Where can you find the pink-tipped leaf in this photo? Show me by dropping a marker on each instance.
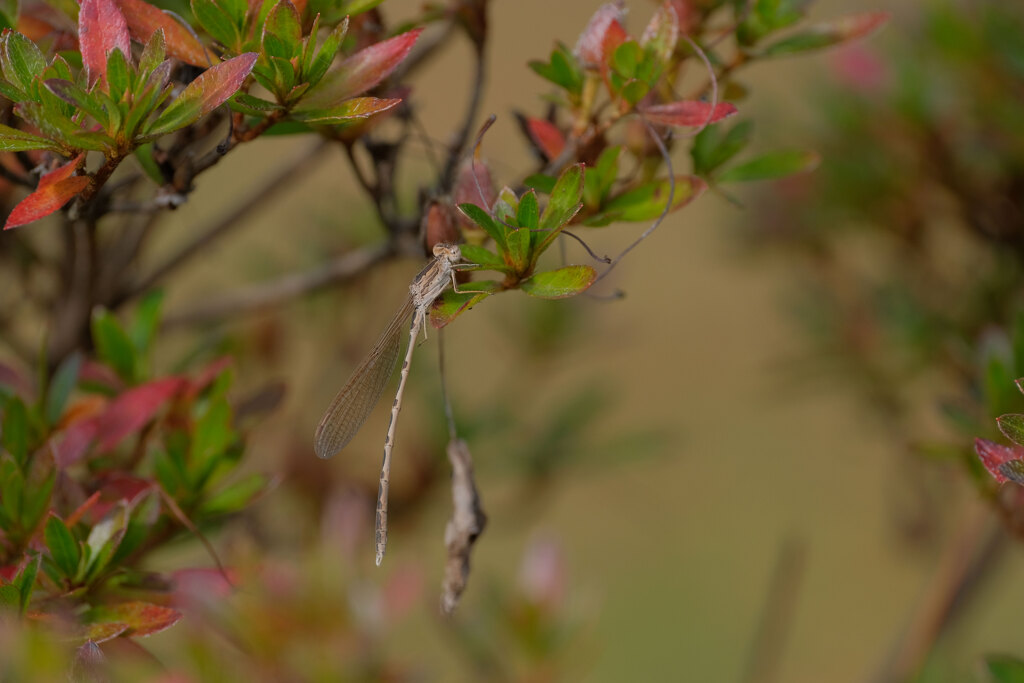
(101, 28)
(687, 113)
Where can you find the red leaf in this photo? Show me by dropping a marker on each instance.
(143, 618)
(143, 21)
(55, 189)
(101, 28)
(547, 137)
(468, 189)
(993, 455)
(361, 71)
(131, 410)
(591, 47)
(74, 442)
(220, 82)
(687, 113)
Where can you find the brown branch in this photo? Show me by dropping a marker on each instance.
(276, 292)
(969, 558)
(260, 195)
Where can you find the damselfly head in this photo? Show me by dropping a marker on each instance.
(450, 252)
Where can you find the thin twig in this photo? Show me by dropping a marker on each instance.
(285, 175)
(275, 292)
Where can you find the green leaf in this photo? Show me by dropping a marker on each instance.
(216, 22)
(25, 581)
(561, 283)
(63, 547)
(517, 243)
(647, 202)
(213, 435)
(113, 346)
(144, 155)
(20, 60)
(15, 436)
(495, 230)
(626, 58)
(153, 54)
(282, 31)
(528, 212)
(64, 380)
(118, 77)
(146, 321)
(235, 497)
(772, 165)
(1004, 669)
(599, 178)
(711, 148)
(359, 6)
(484, 258)
(79, 98)
(540, 182)
(562, 70)
(37, 500)
(566, 199)
(14, 140)
(318, 65)
(1012, 426)
(452, 304)
(827, 34)
(8, 14)
(10, 597)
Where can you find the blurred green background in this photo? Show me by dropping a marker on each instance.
(699, 455)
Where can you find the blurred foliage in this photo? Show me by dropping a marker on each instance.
(911, 235)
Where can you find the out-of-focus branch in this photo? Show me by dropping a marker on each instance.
(967, 560)
(264, 192)
(777, 615)
(286, 288)
(458, 145)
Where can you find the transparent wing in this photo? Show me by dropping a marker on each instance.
(353, 404)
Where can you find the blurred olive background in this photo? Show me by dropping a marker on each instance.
(697, 458)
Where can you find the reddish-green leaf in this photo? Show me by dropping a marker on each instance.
(452, 304)
(101, 28)
(14, 140)
(144, 20)
(142, 618)
(828, 34)
(546, 136)
(993, 455)
(204, 94)
(687, 113)
(349, 110)
(772, 165)
(360, 72)
(591, 45)
(1013, 470)
(100, 633)
(561, 283)
(130, 411)
(55, 189)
